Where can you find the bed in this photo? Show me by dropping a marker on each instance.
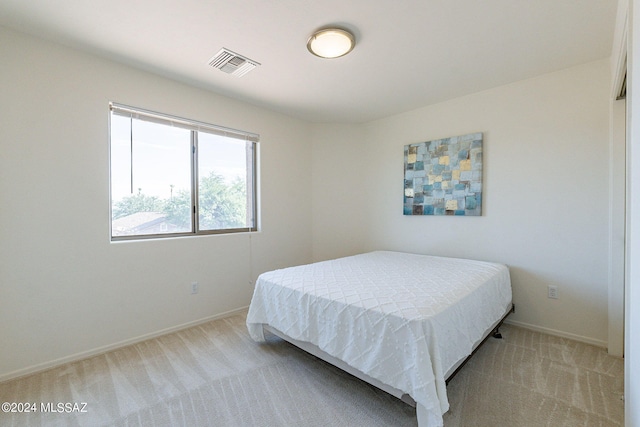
(403, 322)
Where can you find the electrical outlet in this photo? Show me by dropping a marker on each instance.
(194, 287)
(552, 292)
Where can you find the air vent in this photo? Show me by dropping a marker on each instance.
(232, 63)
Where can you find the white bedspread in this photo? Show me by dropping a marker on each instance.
(403, 319)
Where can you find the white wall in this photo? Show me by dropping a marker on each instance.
(338, 190)
(632, 288)
(64, 288)
(546, 160)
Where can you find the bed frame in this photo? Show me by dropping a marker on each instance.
(316, 351)
(495, 333)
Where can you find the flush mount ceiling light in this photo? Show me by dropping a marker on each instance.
(331, 43)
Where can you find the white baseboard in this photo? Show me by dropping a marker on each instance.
(101, 350)
(587, 340)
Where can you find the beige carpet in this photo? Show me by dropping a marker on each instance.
(215, 375)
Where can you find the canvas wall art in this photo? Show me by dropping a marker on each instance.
(444, 176)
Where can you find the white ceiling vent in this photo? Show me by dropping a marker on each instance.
(232, 63)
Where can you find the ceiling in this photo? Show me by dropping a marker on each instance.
(409, 53)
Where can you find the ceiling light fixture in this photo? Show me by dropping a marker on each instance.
(331, 43)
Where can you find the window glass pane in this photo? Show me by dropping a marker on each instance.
(225, 182)
(150, 178)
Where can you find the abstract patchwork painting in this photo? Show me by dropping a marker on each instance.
(444, 176)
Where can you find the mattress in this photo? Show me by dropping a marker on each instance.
(406, 320)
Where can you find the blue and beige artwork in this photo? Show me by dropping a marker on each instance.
(444, 176)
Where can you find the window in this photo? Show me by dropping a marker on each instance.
(177, 177)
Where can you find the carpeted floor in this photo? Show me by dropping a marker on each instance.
(215, 375)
